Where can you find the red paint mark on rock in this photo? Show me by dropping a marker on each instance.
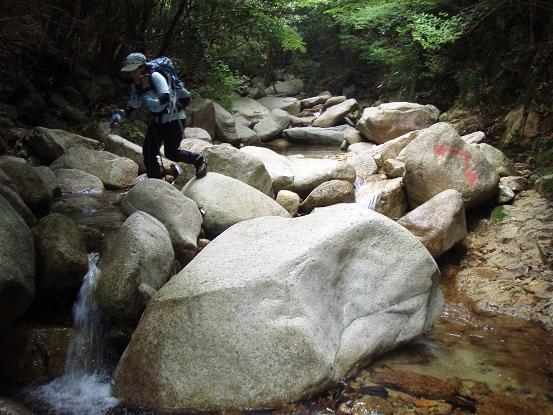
(442, 149)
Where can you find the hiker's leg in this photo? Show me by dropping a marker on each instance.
(150, 151)
(172, 137)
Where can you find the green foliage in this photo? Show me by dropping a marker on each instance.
(221, 84)
(133, 130)
(434, 31)
(498, 214)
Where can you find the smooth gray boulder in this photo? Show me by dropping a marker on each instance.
(200, 113)
(285, 88)
(179, 214)
(299, 174)
(277, 165)
(225, 126)
(231, 162)
(438, 159)
(61, 258)
(289, 104)
(192, 144)
(314, 135)
(364, 165)
(332, 101)
(505, 194)
(246, 135)
(236, 329)
(312, 101)
(50, 144)
(227, 201)
(78, 181)
(30, 185)
(272, 126)
(474, 138)
(439, 223)
(289, 201)
(124, 148)
(197, 133)
(391, 149)
(248, 111)
(17, 265)
(49, 178)
(328, 193)
(9, 191)
(388, 121)
(394, 168)
(140, 253)
(309, 173)
(335, 114)
(114, 171)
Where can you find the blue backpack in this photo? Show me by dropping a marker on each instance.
(164, 66)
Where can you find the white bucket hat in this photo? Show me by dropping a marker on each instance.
(133, 61)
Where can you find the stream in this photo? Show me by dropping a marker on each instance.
(511, 356)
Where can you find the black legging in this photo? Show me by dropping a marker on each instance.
(170, 134)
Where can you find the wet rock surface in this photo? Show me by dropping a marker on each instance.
(509, 265)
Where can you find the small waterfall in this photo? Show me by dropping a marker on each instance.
(84, 389)
(368, 194)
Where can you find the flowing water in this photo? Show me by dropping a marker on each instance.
(368, 194)
(512, 356)
(84, 389)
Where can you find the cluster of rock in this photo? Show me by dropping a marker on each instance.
(276, 307)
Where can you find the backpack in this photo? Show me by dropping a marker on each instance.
(164, 66)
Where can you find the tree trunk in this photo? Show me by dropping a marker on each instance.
(171, 29)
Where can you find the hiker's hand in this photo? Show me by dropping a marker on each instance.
(152, 103)
(117, 117)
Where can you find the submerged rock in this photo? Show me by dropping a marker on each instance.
(275, 310)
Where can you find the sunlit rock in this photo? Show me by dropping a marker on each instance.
(227, 201)
(438, 159)
(255, 330)
(388, 121)
(439, 223)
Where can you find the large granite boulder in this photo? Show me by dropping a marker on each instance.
(30, 186)
(364, 165)
(227, 201)
(78, 181)
(61, 258)
(277, 165)
(314, 135)
(124, 148)
(236, 329)
(179, 214)
(438, 159)
(49, 144)
(17, 265)
(9, 191)
(225, 126)
(388, 121)
(439, 223)
(335, 114)
(114, 171)
(328, 193)
(248, 111)
(201, 113)
(272, 125)
(246, 135)
(289, 104)
(140, 253)
(299, 174)
(231, 162)
(285, 88)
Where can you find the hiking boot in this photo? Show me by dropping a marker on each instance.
(201, 170)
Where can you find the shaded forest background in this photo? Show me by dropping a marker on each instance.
(484, 56)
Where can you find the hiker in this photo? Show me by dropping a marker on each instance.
(151, 88)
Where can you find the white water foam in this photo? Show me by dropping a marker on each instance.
(367, 194)
(84, 389)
